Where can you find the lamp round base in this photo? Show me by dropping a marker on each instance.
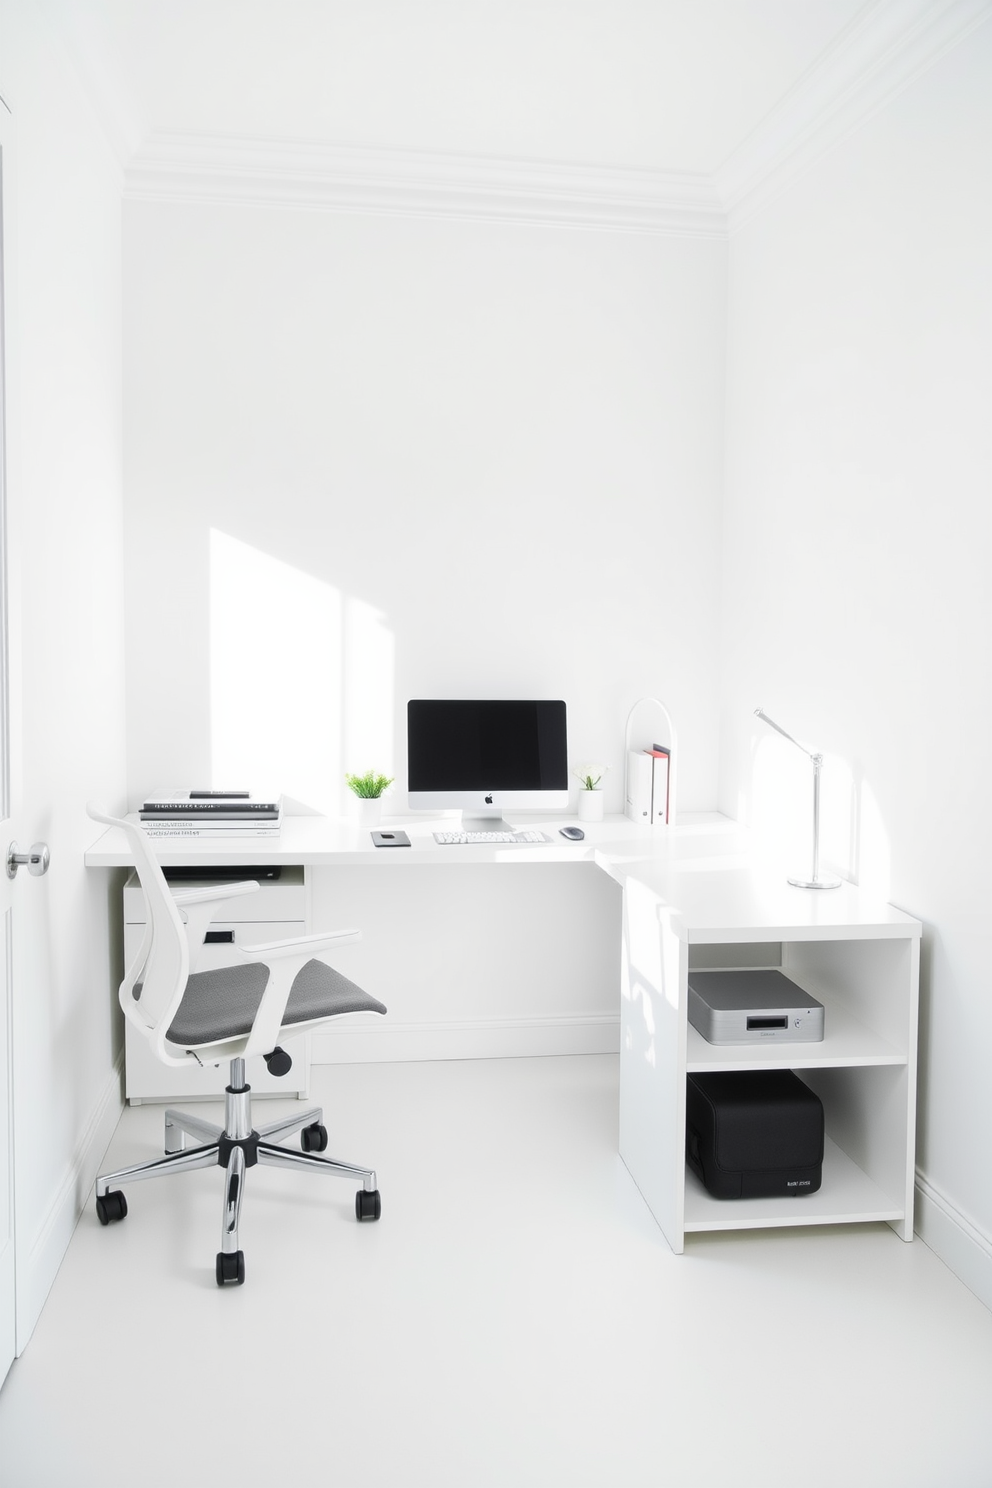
(816, 883)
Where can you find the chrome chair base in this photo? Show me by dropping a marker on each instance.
(236, 1147)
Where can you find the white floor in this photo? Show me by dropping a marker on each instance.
(514, 1318)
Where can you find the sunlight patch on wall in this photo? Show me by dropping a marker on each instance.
(300, 675)
(875, 854)
(782, 803)
(370, 664)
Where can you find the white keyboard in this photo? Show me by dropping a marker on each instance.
(462, 837)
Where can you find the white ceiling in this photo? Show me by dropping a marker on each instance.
(646, 84)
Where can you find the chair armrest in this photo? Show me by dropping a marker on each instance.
(210, 893)
(305, 946)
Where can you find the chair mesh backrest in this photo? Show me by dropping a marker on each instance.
(165, 970)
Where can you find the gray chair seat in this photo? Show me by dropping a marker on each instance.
(222, 1004)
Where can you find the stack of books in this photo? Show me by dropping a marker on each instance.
(210, 814)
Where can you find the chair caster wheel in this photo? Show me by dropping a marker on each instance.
(367, 1205)
(110, 1207)
(313, 1138)
(278, 1062)
(231, 1268)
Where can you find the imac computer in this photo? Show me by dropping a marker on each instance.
(484, 758)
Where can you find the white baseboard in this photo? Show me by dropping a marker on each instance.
(958, 1242)
(492, 1038)
(37, 1270)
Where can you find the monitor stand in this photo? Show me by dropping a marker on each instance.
(485, 824)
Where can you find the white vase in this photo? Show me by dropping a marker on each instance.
(369, 811)
(590, 805)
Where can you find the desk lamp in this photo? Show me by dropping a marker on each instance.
(816, 879)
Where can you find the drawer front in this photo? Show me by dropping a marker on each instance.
(223, 951)
(283, 900)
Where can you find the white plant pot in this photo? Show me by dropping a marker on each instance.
(369, 811)
(590, 805)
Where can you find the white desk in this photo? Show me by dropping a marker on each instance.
(692, 896)
(319, 841)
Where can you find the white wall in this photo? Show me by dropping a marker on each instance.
(470, 458)
(421, 458)
(66, 520)
(857, 560)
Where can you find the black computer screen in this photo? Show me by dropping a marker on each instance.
(493, 745)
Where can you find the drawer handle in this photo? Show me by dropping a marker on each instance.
(219, 937)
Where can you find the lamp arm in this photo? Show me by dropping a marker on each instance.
(760, 713)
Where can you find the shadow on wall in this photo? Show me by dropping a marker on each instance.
(853, 838)
(301, 680)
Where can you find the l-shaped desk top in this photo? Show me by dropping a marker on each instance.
(703, 869)
(328, 841)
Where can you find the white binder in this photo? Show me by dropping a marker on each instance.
(639, 772)
(661, 761)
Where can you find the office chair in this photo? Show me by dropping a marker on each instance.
(230, 1013)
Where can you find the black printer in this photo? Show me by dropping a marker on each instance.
(754, 1134)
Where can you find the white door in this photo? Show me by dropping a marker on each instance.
(7, 885)
(12, 925)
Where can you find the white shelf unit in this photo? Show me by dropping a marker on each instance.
(860, 960)
(276, 912)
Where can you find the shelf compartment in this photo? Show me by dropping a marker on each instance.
(846, 1042)
(846, 1196)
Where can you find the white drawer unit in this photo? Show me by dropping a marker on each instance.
(276, 912)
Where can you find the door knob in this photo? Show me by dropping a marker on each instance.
(36, 861)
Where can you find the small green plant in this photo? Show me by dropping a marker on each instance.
(370, 786)
(590, 775)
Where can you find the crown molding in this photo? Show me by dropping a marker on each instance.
(880, 53)
(191, 168)
(888, 45)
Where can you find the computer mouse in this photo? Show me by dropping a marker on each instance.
(574, 834)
